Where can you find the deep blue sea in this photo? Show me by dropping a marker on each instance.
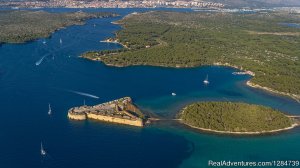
(26, 89)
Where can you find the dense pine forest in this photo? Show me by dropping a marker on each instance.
(256, 42)
(22, 26)
(234, 117)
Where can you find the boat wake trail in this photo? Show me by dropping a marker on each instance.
(84, 94)
(41, 60)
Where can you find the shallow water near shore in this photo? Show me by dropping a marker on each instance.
(26, 89)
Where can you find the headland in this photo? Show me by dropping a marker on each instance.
(183, 40)
(121, 111)
(113, 40)
(22, 26)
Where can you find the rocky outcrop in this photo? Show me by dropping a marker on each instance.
(137, 122)
(121, 111)
(77, 116)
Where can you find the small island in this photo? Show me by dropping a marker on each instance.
(121, 111)
(235, 118)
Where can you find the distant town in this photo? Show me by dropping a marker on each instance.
(111, 4)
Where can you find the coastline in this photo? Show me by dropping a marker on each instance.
(295, 122)
(116, 41)
(247, 72)
(120, 111)
(293, 96)
(257, 86)
(243, 133)
(248, 83)
(244, 71)
(49, 33)
(165, 143)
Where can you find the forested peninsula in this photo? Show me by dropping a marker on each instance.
(235, 118)
(21, 26)
(256, 42)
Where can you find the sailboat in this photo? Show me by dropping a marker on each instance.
(206, 80)
(43, 152)
(60, 41)
(49, 111)
(44, 42)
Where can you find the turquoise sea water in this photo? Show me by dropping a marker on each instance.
(26, 90)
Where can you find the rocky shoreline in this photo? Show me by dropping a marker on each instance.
(44, 26)
(295, 123)
(243, 133)
(293, 96)
(121, 111)
(253, 85)
(243, 72)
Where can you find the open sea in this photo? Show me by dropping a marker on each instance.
(26, 89)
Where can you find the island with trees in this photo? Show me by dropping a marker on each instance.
(235, 118)
(256, 42)
(22, 26)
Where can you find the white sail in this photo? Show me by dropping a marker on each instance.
(49, 111)
(206, 80)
